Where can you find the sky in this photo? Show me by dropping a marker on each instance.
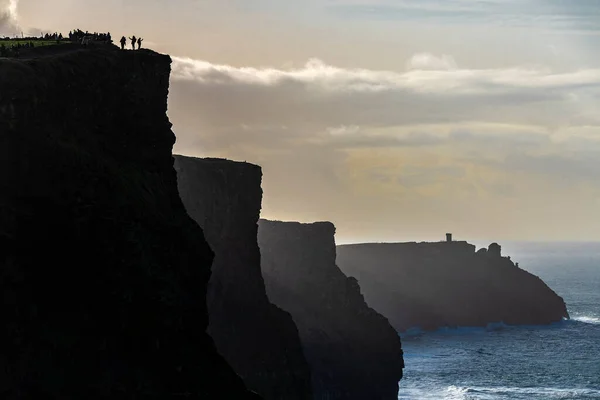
(396, 120)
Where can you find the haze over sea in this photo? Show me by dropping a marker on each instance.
(561, 361)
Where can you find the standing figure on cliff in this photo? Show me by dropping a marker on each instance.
(139, 42)
(133, 40)
(123, 41)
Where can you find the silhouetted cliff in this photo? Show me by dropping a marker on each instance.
(433, 285)
(258, 339)
(103, 274)
(352, 350)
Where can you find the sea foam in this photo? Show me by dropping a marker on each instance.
(587, 320)
(503, 392)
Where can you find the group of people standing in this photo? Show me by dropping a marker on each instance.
(79, 36)
(134, 40)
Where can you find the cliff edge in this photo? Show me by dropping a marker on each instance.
(259, 340)
(103, 274)
(448, 284)
(352, 350)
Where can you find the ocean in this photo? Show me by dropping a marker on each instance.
(560, 361)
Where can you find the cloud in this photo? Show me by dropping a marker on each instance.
(550, 15)
(343, 130)
(360, 106)
(415, 176)
(425, 61)
(428, 74)
(443, 141)
(321, 96)
(9, 17)
(569, 168)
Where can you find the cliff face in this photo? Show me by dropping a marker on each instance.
(433, 285)
(103, 274)
(258, 339)
(352, 350)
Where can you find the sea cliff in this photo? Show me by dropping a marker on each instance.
(103, 273)
(448, 284)
(259, 340)
(352, 350)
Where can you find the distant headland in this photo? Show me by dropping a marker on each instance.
(448, 284)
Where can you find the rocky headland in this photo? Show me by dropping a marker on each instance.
(352, 350)
(448, 284)
(103, 274)
(259, 340)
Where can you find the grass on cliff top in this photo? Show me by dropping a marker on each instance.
(36, 43)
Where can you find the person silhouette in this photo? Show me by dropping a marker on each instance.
(133, 40)
(139, 42)
(123, 41)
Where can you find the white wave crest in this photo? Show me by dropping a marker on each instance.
(547, 392)
(456, 393)
(500, 392)
(587, 320)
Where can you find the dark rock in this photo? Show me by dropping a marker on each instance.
(259, 340)
(433, 285)
(494, 250)
(103, 274)
(352, 350)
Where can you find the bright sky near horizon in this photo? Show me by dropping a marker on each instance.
(394, 119)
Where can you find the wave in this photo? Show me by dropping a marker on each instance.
(501, 392)
(451, 393)
(545, 392)
(587, 320)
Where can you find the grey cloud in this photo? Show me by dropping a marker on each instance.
(320, 78)
(508, 137)
(7, 27)
(415, 176)
(501, 140)
(291, 122)
(385, 10)
(557, 15)
(565, 169)
(8, 17)
(456, 144)
(579, 168)
(321, 96)
(503, 189)
(275, 117)
(362, 140)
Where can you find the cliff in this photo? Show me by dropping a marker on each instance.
(448, 284)
(103, 274)
(259, 340)
(352, 350)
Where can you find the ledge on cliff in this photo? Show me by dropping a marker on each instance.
(259, 340)
(448, 284)
(102, 271)
(352, 350)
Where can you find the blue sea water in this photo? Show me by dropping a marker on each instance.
(561, 361)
